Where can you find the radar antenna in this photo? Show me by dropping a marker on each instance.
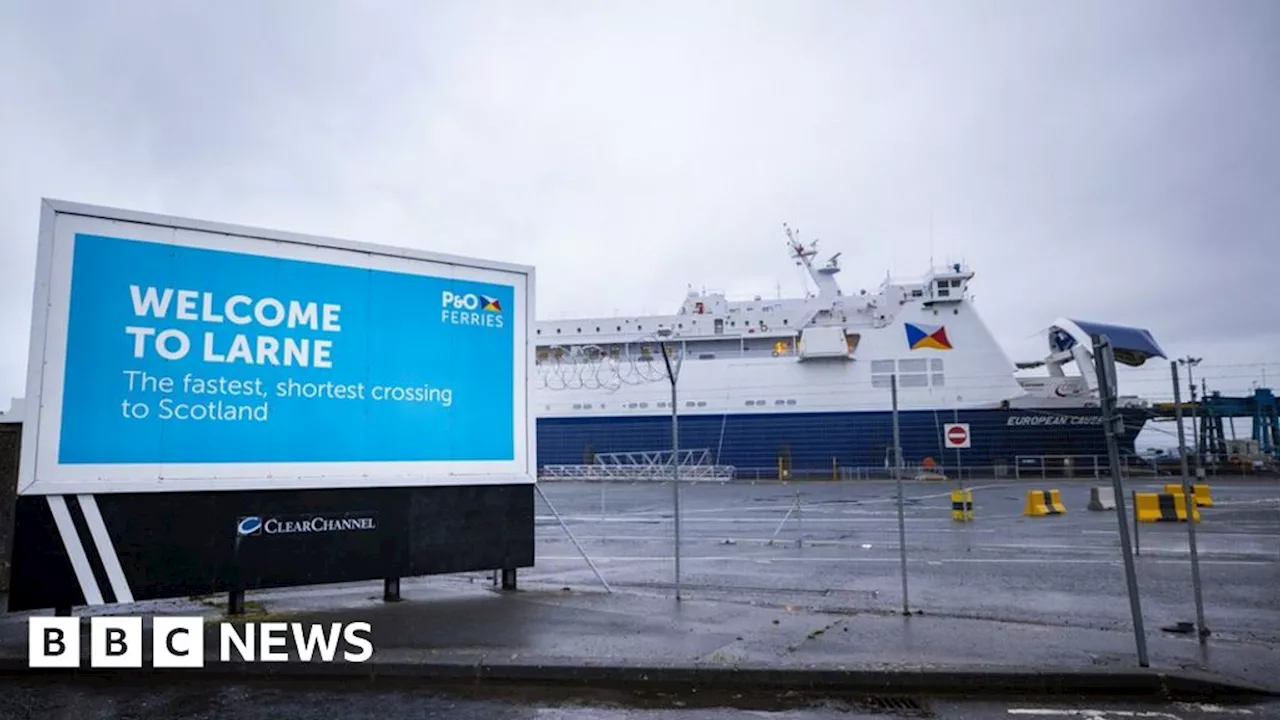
(798, 249)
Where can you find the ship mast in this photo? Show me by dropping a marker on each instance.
(824, 277)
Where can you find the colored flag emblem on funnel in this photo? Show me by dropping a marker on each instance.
(927, 336)
(491, 304)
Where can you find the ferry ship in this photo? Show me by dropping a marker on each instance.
(804, 384)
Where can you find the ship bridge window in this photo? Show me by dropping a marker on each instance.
(791, 402)
(702, 403)
(915, 365)
(751, 403)
(917, 293)
(912, 373)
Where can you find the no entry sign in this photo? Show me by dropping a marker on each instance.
(956, 435)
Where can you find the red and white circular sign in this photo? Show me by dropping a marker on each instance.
(957, 435)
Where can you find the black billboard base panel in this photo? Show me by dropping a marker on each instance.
(235, 603)
(74, 550)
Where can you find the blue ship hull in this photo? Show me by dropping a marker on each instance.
(811, 442)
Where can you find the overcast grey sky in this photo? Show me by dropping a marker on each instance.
(1109, 161)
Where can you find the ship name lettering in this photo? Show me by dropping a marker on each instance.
(1040, 420)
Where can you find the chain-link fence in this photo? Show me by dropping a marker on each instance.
(1012, 519)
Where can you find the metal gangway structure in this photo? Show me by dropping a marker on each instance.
(694, 465)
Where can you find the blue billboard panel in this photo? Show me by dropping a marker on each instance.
(182, 355)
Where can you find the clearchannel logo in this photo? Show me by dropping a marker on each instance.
(179, 642)
(298, 524)
(470, 309)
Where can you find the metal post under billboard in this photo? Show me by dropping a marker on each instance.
(209, 373)
(1105, 368)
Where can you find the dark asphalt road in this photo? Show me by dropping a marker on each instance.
(839, 546)
(87, 700)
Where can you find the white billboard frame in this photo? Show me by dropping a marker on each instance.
(39, 471)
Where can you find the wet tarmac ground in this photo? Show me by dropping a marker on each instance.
(836, 543)
(25, 699)
(808, 555)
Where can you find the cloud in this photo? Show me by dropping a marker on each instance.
(1111, 162)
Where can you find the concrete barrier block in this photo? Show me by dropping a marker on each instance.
(1163, 507)
(1102, 498)
(1200, 491)
(1044, 502)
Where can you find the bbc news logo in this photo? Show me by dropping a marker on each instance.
(179, 642)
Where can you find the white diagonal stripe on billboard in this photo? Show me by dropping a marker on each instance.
(106, 550)
(75, 551)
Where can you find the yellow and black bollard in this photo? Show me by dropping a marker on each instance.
(962, 505)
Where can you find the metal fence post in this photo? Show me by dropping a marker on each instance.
(1190, 503)
(1137, 533)
(673, 374)
(897, 472)
(1104, 365)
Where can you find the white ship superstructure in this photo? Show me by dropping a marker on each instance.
(825, 352)
(827, 357)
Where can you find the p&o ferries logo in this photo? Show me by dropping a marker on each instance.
(470, 309)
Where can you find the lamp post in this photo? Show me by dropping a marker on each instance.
(673, 375)
(1191, 362)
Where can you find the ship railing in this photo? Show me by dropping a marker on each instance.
(1095, 466)
(693, 465)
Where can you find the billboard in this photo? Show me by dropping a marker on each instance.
(179, 355)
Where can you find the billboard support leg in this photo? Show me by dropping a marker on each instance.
(508, 578)
(235, 603)
(391, 590)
